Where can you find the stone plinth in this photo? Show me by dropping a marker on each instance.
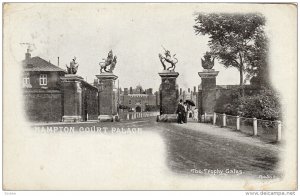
(72, 98)
(207, 96)
(107, 97)
(168, 96)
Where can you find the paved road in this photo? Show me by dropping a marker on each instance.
(201, 149)
(196, 149)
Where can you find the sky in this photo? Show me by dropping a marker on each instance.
(135, 33)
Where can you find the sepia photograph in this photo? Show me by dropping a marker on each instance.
(149, 96)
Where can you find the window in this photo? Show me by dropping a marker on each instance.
(129, 102)
(26, 80)
(43, 79)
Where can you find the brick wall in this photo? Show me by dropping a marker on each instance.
(43, 106)
(169, 96)
(224, 94)
(90, 102)
(47, 105)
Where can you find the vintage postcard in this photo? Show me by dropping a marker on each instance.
(149, 96)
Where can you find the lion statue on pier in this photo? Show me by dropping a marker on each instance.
(110, 62)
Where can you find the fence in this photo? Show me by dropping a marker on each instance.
(136, 115)
(267, 130)
(206, 118)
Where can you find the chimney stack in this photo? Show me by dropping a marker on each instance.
(125, 91)
(149, 91)
(57, 61)
(95, 82)
(27, 55)
(130, 90)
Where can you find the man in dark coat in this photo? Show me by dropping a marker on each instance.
(180, 112)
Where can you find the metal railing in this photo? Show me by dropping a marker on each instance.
(267, 130)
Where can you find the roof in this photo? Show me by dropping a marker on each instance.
(39, 64)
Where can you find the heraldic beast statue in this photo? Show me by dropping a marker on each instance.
(207, 63)
(110, 62)
(169, 59)
(73, 66)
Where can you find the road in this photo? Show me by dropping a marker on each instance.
(202, 150)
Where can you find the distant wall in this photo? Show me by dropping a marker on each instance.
(226, 94)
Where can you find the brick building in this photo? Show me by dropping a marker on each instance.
(189, 95)
(42, 89)
(44, 93)
(138, 99)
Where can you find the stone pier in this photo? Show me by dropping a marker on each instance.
(168, 96)
(207, 95)
(107, 96)
(72, 98)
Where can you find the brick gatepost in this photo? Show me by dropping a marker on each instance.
(107, 96)
(168, 96)
(72, 98)
(207, 96)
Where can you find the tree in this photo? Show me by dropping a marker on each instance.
(257, 59)
(237, 40)
(263, 104)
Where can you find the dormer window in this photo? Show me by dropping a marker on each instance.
(43, 79)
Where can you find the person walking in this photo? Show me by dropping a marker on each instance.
(180, 112)
(185, 115)
(195, 114)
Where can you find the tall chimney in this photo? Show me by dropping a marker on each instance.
(27, 55)
(125, 91)
(189, 90)
(57, 61)
(194, 88)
